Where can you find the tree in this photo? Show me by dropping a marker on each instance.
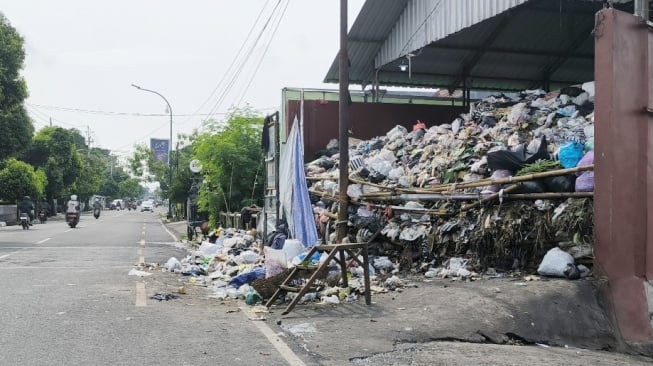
(131, 188)
(16, 128)
(231, 155)
(54, 150)
(93, 174)
(19, 179)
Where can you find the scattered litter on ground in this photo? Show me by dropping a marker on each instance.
(135, 272)
(166, 297)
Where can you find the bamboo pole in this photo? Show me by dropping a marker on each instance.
(490, 197)
(549, 195)
(480, 183)
(477, 196)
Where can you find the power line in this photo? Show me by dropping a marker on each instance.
(234, 77)
(265, 51)
(110, 113)
(233, 62)
(44, 116)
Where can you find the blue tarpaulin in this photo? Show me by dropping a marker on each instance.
(293, 192)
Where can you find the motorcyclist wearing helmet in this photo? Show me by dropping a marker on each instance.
(46, 206)
(97, 204)
(27, 206)
(73, 204)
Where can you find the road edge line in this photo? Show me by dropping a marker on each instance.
(276, 341)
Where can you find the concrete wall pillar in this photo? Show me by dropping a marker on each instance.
(623, 170)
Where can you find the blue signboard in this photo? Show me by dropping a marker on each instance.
(160, 149)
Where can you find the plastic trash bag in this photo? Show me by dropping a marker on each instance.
(563, 183)
(354, 191)
(395, 173)
(497, 174)
(135, 272)
(383, 263)
(570, 154)
(209, 250)
(275, 261)
(292, 248)
(517, 158)
(299, 259)
(585, 182)
(555, 262)
(587, 159)
(396, 132)
(172, 264)
(247, 277)
(247, 257)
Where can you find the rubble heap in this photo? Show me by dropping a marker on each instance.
(498, 186)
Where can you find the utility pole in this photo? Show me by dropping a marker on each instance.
(88, 142)
(50, 121)
(343, 125)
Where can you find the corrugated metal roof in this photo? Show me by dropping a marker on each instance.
(491, 44)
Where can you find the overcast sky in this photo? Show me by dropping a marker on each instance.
(82, 56)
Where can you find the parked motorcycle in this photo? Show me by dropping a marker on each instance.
(24, 220)
(72, 219)
(96, 212)
(43, 216)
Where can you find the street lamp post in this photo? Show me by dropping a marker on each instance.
(169, 147)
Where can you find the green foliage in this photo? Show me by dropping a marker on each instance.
(16, 128)
(143, 164)
(54, 150)
(18, 179)
(93, 173)
(231, 156)
(539, 166)
(131, 188)
(181, 174)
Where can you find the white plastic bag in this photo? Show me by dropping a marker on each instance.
(247, 257)
(354, 191)
(209, 249)
(383, 263)
(554, 263)
(275, 261)
(292, 247)
(172, 264)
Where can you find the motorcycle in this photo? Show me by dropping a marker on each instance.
(72, 219)
(96, 212)
(43, 216)
(24, 220)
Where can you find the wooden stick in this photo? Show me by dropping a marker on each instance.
(489, 198)
(549, 195)
(483, 182)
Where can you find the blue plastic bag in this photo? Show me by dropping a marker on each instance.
(248, 277)
(570, 154)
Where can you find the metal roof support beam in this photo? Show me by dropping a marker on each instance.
(482, 49)
(585, 56)
(554, 65)
(428, 77)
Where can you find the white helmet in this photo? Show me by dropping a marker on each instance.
(73, 197)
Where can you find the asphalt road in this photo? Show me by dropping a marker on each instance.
(67, 299)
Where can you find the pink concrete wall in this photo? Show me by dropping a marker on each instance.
(623, 170)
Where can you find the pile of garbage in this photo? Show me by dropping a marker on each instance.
(235, 264)
(498, 186)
